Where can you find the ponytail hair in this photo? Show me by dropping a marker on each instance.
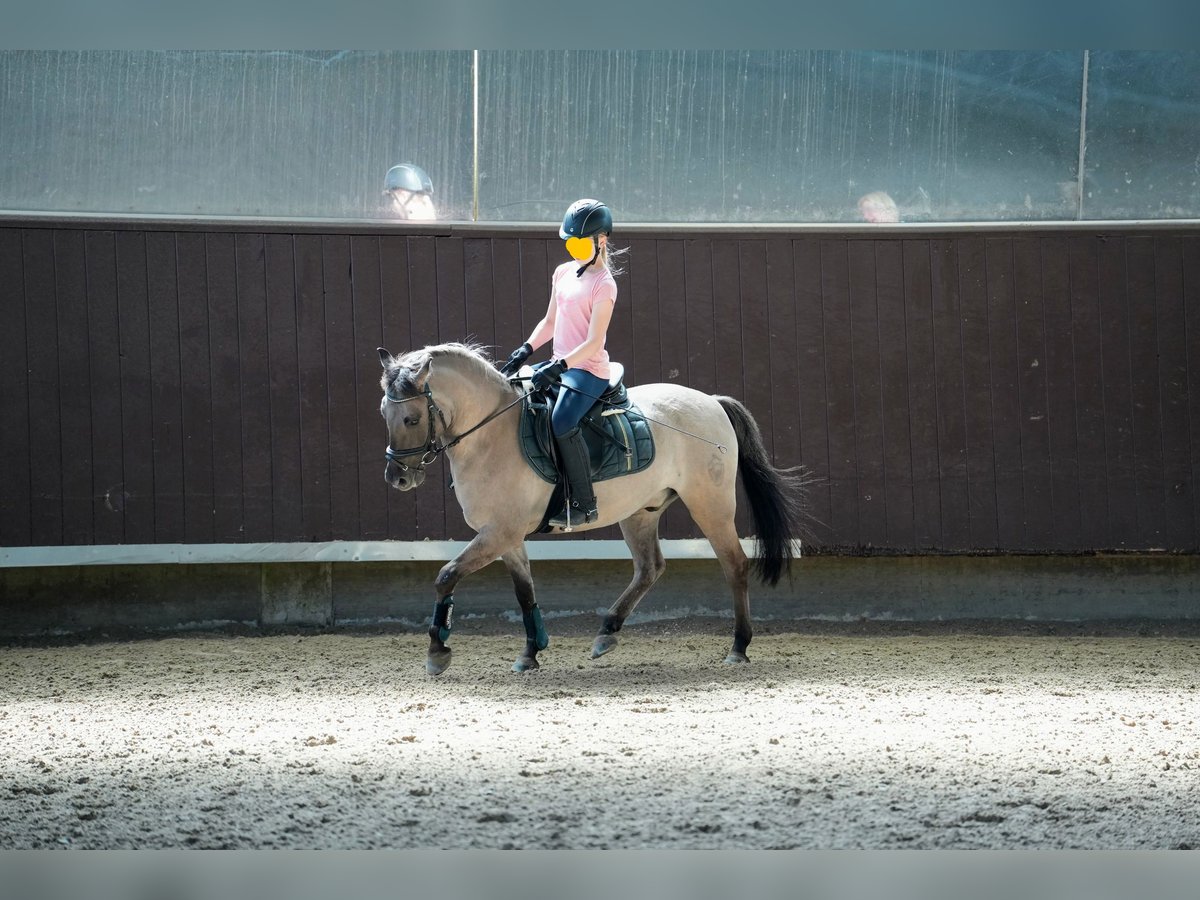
(611, 259)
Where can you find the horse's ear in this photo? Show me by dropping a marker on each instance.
(385, 358)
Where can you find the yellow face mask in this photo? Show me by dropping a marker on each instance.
(582, 249)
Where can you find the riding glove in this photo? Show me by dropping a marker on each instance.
(549, 374)
(516, 359)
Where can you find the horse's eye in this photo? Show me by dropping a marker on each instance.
(411, 420)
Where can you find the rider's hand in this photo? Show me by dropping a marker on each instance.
(549, 374)
(516, 359)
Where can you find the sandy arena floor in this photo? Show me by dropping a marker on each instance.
(870, 740)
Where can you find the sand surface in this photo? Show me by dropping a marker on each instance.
(991, 738)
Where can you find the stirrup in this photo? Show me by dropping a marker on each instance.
(571, 515)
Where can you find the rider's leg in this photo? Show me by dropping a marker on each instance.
(580, 507)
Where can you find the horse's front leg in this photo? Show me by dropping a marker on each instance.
(536, 637)
(484, 548)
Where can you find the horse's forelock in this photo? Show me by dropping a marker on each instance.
(403, 377)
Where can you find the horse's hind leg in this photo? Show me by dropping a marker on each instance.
(718, 527)
(535, 632)
(641, 534)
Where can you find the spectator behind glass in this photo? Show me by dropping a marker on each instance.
(878, 207)
(409, 193)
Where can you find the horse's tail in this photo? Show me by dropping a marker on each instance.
(775, 495)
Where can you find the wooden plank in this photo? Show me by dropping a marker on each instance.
(922, 392)
(1061, 405)
(498, 261)
(894, 395)
(1113, 290)
(75, 401)
(45, 411)
(867, 390)
(287, 474)
(224, 360)
(15, 458)
(699, 311)
(536, 270)
(479, 287)
(104, 388)
(951, 413)
(397, 337)
(1178, 520)
(781, 353)
(341, 367)
(197, 388)
(977, 393)
(727, 327)
(422, 286)
(814, 419)
(314, 388)
(839, 379)
(137, 419)
(452, 326)
(1095, 533)
(1005, 398)
(1147, 395)
(1190, 249)
(255, 380)
(367, 302)
(644, 351)
(1031, 360)
(166, 386)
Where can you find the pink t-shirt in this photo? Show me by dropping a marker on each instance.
(574, 299)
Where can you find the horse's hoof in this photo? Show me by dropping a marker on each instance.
(525, 664)
(603, 644)
(736, 659)
(437, 662)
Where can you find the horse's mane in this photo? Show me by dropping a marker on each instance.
(401, 379)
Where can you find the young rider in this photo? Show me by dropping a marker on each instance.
(582, 295)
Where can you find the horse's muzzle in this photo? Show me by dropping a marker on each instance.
(402, 479)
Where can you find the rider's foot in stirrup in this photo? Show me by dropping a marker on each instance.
(572, 515)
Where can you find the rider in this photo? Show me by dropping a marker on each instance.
(581, 306)
(410, 192)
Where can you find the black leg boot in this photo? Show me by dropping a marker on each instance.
(581, 499)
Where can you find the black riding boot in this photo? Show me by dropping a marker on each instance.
(581, 499)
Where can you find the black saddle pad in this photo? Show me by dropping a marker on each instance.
(617, 436)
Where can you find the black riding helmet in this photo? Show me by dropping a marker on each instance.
(585, 218)
(407, 177)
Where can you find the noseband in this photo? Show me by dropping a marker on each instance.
(431, 449)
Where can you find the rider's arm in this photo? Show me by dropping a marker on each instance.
(544, 330)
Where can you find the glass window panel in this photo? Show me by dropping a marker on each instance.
(279, 133)
(779, 136)
(1143, 136)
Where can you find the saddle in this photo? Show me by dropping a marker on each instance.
(616, 433)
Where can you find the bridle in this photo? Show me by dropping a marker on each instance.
(431, 449)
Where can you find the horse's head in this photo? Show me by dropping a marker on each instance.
(408, 411)
(419, 425)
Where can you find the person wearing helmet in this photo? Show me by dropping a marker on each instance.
(583, 292)
(409, 192)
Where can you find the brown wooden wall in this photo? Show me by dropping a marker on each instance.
(975, 390)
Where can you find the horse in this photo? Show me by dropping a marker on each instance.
(450, 399)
